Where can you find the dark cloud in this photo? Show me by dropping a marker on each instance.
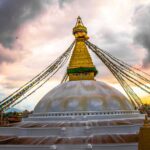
(116, 43)
(62, 2)
(119, 44)
(13, 13)
(141, 20)
(6, 58)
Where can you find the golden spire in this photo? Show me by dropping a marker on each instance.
(81, 66)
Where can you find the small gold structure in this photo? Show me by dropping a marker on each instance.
(144, 135)
(81, 66)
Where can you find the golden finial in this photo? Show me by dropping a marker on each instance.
(79, 21)
(80, 31)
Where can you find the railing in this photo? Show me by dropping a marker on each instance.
(84, 113)
(132, 146)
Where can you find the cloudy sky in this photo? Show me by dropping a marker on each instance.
(34, 32)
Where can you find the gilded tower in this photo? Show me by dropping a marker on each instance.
(81, 66)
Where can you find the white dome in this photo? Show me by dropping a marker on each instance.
(85, 95)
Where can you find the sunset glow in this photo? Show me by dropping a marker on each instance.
(42, 31)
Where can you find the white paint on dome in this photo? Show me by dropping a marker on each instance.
(86, 95)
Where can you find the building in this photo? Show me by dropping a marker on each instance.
(79, 114)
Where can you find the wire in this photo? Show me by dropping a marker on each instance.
(35, 81)
(119, 74)
(39, 85)
(122, 64)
